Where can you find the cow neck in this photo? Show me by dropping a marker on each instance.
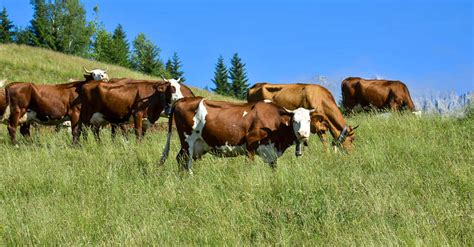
(342, 136)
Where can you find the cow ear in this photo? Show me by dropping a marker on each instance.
(161, 87)
(266, 129)
(285, 119)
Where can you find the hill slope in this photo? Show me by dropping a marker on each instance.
(409, 181)
(26, 63)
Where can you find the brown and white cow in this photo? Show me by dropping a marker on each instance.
(232, 129)
(379, 94)
(46, 104)
(125, 99)
(326, 116)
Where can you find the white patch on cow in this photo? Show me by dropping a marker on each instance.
(29, 116)
(384, 115)
(267, 101)
(268, 153)
(231, 151)
(177, 94)
(146, 123)
(98, 119)
(6, 115)
(99, 75)
(244, 114)
(302, 123)
(358, 108)
(196, 144)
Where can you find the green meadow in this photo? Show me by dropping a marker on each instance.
(409, 181)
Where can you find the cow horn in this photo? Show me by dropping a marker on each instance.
(87, 71)
(179, 79)
(106, 69)
(290, 111)
(312, 110)
(357, 126)
(164, 79)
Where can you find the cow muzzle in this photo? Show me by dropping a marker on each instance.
(303, 135)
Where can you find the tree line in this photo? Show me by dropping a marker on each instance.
(61, 25)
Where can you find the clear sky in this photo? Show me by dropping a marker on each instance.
(426, 44)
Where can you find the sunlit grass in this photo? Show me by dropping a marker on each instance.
(408, 181)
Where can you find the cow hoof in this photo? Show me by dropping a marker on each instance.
(298, 154)
(16, 146)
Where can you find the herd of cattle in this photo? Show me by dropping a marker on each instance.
(275, 117)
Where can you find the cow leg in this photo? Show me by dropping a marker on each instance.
(25, 130)
(184, 159)
(124, 131)
(323, 137)
(138, 119)
(251, 154)
(13, 124)
(74, 124)
(113, 130)
(96, 132)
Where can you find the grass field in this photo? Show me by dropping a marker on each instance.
(409, 181)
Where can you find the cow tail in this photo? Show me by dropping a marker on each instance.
(166, 151)
(7, 112)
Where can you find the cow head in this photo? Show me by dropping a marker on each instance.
(96, 74)
(301, 123)
(174, 89)
(347, 139)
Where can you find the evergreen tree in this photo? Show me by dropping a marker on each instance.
(41, 25)
(24, 36)
(120, 48)
(173, 67)
(237, 74)
(6, 33)
(101, 46)
(220, 78)
(146, 56)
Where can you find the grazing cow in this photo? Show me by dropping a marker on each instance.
(326, 116)
(380, 94)
(231, 129)
(44, 104)
(125, 99)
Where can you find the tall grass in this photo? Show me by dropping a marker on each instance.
(409, 181)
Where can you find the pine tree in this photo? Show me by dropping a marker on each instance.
(237, 74)
(120, 48)
(6, 33)
(173, 67)
(42, 26)
(101, 46)
(146, 56)
(221, 78)
(24, 36)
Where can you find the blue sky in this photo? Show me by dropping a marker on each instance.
(426, 44)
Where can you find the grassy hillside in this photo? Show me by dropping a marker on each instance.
(409, 181)
(25, 63)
